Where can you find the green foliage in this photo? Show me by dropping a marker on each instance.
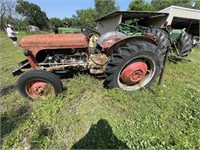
(140, 5)
(86, 115)
(86, 17)
(103, 7)
(69, 22)
(155, 5)
(34, 15)
(56, 22)
(197, 5)
(161, 4)
(6, 12)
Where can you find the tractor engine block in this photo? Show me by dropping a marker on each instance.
(61, 57)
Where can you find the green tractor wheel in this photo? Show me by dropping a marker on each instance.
(184, 45)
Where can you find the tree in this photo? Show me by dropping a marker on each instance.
(55, 22)
(161, 4)
(70, 22)
(140, 5)
(197, 5)
(6, 12)
(103, 7)
(86, 17)
(156, 5)
(32, 13)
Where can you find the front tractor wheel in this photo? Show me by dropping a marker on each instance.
(133, 67)
(39, 84)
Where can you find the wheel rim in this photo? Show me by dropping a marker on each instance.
(136, 74)
(133, 73)
(39, 89)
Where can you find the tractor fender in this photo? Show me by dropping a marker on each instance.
(122, 42)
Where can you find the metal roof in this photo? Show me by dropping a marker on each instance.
(168, 9)
(134, 14)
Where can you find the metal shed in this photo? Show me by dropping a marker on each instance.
(110, 21)
(177, 17)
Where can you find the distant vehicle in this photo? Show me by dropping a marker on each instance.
(33, 28)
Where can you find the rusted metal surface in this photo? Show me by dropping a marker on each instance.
(32, 61)
(109, 42)
(39, 89)
(64, 66)
(108, 39)
(134, 72)
(36, 43)
(97, 63)
(122, 42)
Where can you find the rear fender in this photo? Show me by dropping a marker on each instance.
(114, 47)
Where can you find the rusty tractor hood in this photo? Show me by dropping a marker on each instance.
(36, 43)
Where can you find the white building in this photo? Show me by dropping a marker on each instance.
(180, 17)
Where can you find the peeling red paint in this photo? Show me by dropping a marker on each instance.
(36, 43)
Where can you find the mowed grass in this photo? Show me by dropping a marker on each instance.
(88, 116)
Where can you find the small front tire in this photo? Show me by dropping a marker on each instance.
(39, 84)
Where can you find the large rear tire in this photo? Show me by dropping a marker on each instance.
(39, 84)
(162, 38)
(133, 67)
(185, 45)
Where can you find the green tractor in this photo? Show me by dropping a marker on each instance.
(178, 40)
(64, 30)
(182, 42)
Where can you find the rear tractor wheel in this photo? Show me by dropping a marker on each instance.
(133, 67)
(185, 45)
(39, 84)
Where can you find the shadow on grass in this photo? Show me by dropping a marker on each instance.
(5, 90)
(12, 120)
(100, 136)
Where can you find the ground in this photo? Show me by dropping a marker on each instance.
(88, 116)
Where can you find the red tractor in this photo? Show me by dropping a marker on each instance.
(130, 63)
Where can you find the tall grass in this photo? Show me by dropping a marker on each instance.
(88, 116)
